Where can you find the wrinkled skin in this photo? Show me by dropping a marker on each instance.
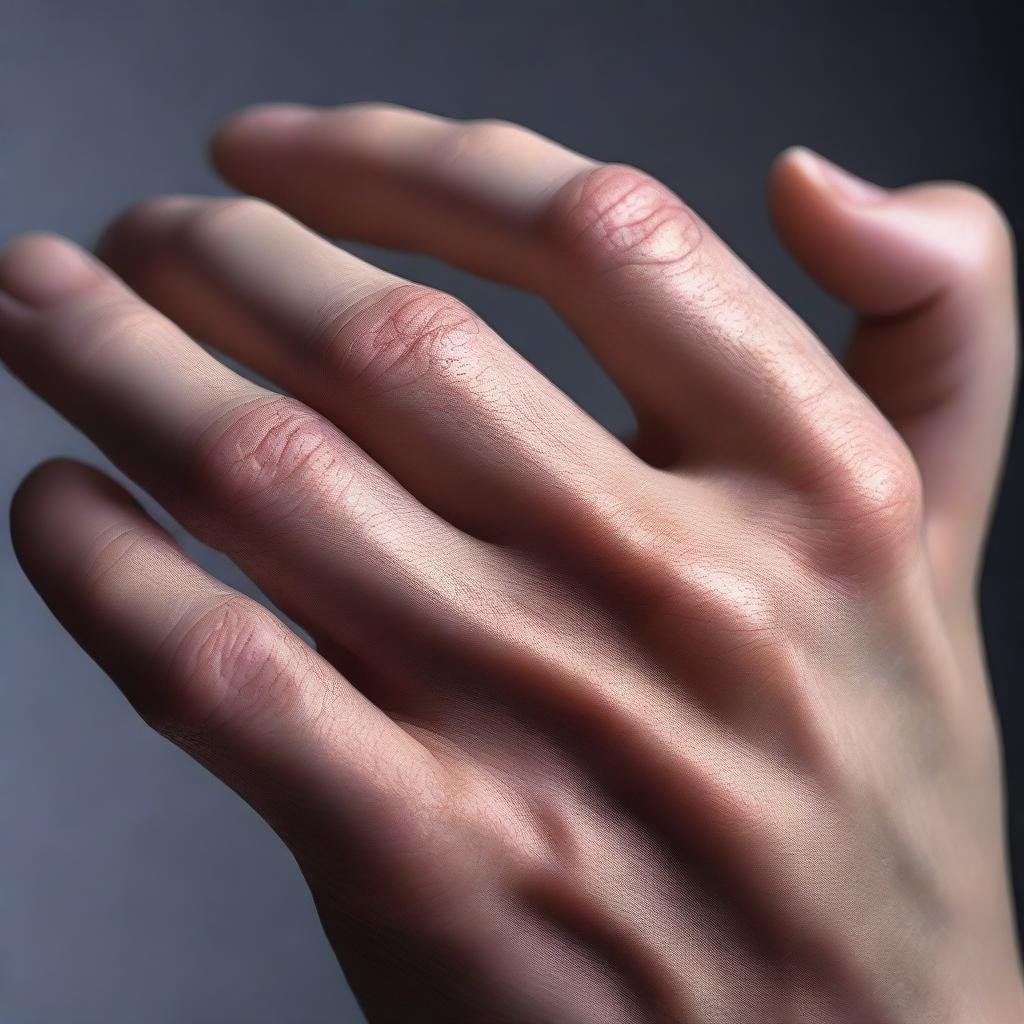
(691, 730)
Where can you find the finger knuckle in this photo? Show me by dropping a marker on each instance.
(480, 139)
(616, 217)
(684, 586)
(195, 223)
(714, 611)
(366, 122)
(990, 217)
(118, 556)
(104, 326)
(276, 456)
(209, 222)
(408, 334)
(871, 506)
(983, 236)
(228, 665)
(729, 611)
(737, 613)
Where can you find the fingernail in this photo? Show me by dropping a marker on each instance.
(40, 270)
(849, 186)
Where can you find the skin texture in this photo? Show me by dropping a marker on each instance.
(692, 730)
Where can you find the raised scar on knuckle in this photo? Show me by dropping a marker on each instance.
(620, 217)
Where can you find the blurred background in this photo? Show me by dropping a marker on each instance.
(133, 886)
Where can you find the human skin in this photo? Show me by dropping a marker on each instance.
(695, 729)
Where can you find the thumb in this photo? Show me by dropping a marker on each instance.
(929, 270)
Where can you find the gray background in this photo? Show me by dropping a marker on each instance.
(135, 888)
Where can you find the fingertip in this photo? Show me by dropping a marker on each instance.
(44, 481)
(59, 498)
(40, 269)
(793, 159)
(838, 181)
(261, 123)
(787, 184)
(872, 247)
(60, 473)
(884, 250)
(132, 232)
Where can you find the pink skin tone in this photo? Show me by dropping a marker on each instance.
(695, 729)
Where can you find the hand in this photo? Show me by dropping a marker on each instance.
(694, 730)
